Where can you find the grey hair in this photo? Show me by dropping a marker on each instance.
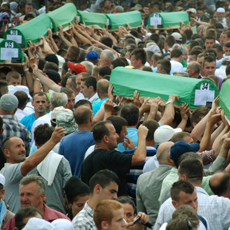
(58, 99)
(98, 50)
(180, 73)
(119, 9)
(89, 66)
(195, 65)
(108, 54)
(33, 178)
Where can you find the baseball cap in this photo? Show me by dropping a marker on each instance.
(92, 55)
(13, 5)
(220, 10)
(66, 120)
(78, 68)
(164, 133)
(38, 224)
(58, 110)
(2, 179)
(182, 147)
(62, 224)
(177, 36)
(8, 102)
(52, 58)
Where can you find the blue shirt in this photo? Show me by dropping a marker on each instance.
(28, 121)
(73, 148)
(97, 106)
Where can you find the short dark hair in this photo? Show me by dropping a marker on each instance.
(118, 123)
(155, 37)
(209, 38)
(181, 186)
(227, 70)
(100, 130)
(192, 168)
(40, 94)
(208, 59)
(3, 87)
(140, 54)
(222, 187)
(105, 70)
(23, 213)
(107, 41)
(104, 178)
(227, 44)
(22, 98)
(82, 102)
(118, 62)
(131, 114)
(188, 34)
(82, 114)
(68, 91)
(152, 125)
(42, 134)
(176, 53)
(198, 114)
(165, 65)
(179, 136)
(193, 43)
(127, 200)
(51, 65)
(90, 81)
(170, 40)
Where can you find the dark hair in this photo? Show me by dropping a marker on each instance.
(227, 45)
(40, 94)
(1, 123)
(23, 213)
(107, 41)
(176, 53)
(105, 70)
(65, 77)
(68, 91)
(192, 168)
(181, 186)
(73, 52)
(100, 130)
(3, 87)
(82, 102)
(170, 40)
(131, 114)
(118, 123)
(221, 187)
(165, 65)
(193, 43)
(127, 200)
(118, 62)
(82, 115)
(90, 81)
(188, 34)
(179, 136)
(51, 65)
(208, 59)
(155, 37)
(152, 125)
(140, 54)
(198, 114)
(218, 47)
(227, 70)
(22, 99)
(42, 134)
(104, 178)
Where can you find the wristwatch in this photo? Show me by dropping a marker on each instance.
(168, 102)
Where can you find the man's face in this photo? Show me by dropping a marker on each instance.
(117, 222)
(28, 8)
(146, 10)
(209, 68)
(71, 102)
(227, 51)
(85, 90)
(78, 83)
(122, 134)
(40, 104)
(14, 81)
(107, 4)
(200, 61)
(102, 60)
(220, 15)
(29, 196)
(129, 212)
(68, 83)
(200, 13)
(185, 54)
(209, 43)
(134, 62)
(109, 192)
(113, 136)
(187, 199)
(16, 151)
(223, 39)
(219, 55)
(189, 70)
(192, 58)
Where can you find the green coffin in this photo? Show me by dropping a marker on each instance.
(224, 101)
(63, 16)
(92, 18)
(29, 31)
(194, 92)
(11, 51)
(164, 20)
(133, 18)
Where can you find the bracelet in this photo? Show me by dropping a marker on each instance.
(168, 102)
(27, 69)
(37, 79)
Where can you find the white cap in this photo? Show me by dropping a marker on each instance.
(62, 224)
(220, 10)
(59, 110)
(177, 36)
(38, 224)
(2, 179)
(164, 133)
(192, 10)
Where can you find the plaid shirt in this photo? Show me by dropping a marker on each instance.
(84, 219)
(12, 127)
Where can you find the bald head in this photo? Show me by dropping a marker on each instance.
(102, 86)
(219, 183)
(82, 115)
(163, 153)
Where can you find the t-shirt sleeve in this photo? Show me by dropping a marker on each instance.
(119, 162)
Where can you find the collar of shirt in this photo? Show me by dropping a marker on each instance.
(95, 96)
(88, 209)
(201, 190)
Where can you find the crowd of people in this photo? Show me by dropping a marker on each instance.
(74, 155)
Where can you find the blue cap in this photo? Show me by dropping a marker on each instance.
(92, 55)
(182, 147)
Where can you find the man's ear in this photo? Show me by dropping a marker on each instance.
(6, 152)
(1, 131)
(91, 88)
(106, 139)
(174, 203)
(104, 225)
(97, 188)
